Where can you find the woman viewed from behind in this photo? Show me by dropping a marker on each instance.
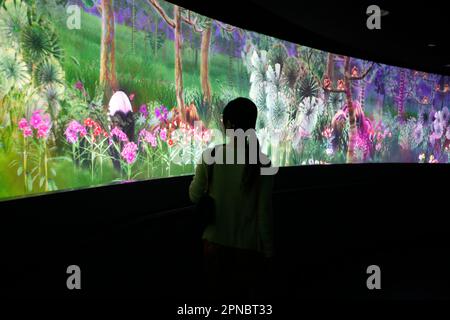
(240, 237)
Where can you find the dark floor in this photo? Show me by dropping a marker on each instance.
(331, 223)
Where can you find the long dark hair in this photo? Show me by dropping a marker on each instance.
(241, 113)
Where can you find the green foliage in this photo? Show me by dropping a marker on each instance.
(204, 109)
(291, 71)
(39, 43)
(155, 41)
(314, 59)
(306, 88)
(277, 55)
(88, 3)
(335, 100)
(12, 20)
(323, 122)
(48, 72)
(13, 69)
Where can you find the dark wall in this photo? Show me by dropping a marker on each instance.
(331, 222)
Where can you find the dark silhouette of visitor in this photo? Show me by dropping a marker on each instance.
(239, 243)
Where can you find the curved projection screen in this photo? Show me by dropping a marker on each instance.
(93, 93)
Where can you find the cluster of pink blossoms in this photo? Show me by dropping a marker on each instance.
(74, 130)
(148, 137)
(129, 152)
(39, 121)
(116, 132)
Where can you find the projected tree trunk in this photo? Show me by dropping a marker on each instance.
(345, 86)
(178, 61)
(401, 95)
(204, 71)
(175, 23)
(353, 131)
(107, 50)
(205, 29)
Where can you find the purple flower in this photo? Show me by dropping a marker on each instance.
(129, 152)
(143, 110)
(438, 129)
(447, 134)
(79, 86)
(73, 130)
(418, 133)
(439, 117)
(433, 138)
(119, 134)
(161, 113)
(148, 137)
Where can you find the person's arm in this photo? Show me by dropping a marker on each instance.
(266, 215)
(198, 184)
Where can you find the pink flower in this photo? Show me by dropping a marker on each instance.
(23, 124)
(327, 133)
(378, 147)
(73, 129)
(27, 132)
(163, 134)
(129, 152)
(36, 119)
(119, 134)
(143, 110)
(43, 130)
(79, 86)
(148, 137)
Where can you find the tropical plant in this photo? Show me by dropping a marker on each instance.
(13, 18)
(38, 41)
(49, 73)
(13, 69)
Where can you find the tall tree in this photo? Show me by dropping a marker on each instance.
(108, 78)
(203, 26)
(204, 62)
(133, 26)
(175, 24)
(345, 87)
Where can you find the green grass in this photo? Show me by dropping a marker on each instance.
(150, 77)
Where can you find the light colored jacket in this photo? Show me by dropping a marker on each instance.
(243, 218)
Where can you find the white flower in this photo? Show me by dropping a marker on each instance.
(438, 129)
(310, 109)
(329, 151)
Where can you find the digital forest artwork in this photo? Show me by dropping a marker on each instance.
(94, 92)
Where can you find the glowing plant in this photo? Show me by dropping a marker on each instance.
(129, 154)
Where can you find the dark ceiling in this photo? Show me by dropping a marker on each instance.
(414, 35)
